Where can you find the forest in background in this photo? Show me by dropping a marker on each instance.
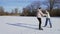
(53, 6)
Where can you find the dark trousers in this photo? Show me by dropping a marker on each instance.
(39, 19)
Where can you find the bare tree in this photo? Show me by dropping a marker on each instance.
(1, 10)
(32, 8)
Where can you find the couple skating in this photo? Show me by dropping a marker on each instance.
(40, 14)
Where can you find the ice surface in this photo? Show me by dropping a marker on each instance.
(27, 25)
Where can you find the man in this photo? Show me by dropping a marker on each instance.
(48, 19)
(39, 16)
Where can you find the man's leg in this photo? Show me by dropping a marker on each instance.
(50, 23)
(46, 22)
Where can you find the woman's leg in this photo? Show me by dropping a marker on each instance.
(39, 19)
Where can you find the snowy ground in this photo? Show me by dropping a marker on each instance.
(27, 25)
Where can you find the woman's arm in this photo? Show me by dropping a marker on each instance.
(42, 13)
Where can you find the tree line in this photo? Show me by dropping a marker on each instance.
(53, 6)
(13, 12)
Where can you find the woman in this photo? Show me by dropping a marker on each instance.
(39, 16)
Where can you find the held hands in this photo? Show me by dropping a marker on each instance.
(45, 15)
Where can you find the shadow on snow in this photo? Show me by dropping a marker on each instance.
(24, 25)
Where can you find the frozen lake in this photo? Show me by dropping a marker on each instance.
(27, 25)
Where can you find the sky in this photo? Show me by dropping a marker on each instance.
(20, 4)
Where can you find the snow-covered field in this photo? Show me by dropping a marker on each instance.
(27, 25)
